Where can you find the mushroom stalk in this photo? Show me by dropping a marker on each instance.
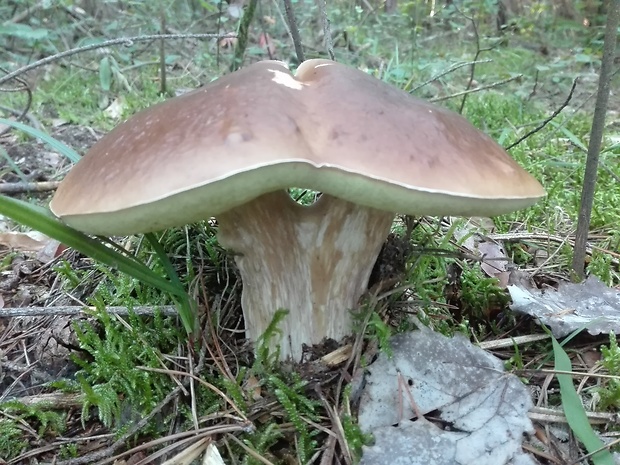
(313, 261)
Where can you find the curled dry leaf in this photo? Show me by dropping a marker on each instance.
(115, 109)
(494, 261)
(588, 305)
(34, 242)
(228, 42)
(472, 236)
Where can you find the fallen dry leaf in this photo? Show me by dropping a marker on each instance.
(115, 109)
(482, 409)
(228, 42)
(588, 305)
(494, 261)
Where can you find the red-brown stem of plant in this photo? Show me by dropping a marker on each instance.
(313, 261)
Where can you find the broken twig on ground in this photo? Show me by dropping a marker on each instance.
(167, 310)
(24, 187)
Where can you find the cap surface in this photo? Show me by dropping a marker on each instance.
(330, 128)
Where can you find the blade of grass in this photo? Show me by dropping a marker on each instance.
(576, 141)
(41, 219)
(56, 145)
(13, 165)
(574, 411)
(186, 310)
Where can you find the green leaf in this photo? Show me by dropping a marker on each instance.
(23, 31)
(583, 58)
(105, 74)
(56, 145)
(43, 220)
(118, 74)
(574, 411)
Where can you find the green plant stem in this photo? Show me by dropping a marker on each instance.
(244, 31)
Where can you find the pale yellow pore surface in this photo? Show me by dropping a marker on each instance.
(313, 261)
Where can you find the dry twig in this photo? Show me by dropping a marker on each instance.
(292, 23)
(477, 89)
(167, 310)
(547, 120)
(443, 73)
(24, 187)
(479, 50)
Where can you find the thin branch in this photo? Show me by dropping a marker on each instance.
(167, 310)
(478, 89)
(19, 17)
(447, 71)
(549, 119)
(577, 107)
(615, 257)
(127, 41)
(535, 88)
(479, 51)
(596, 138)
(292, 23)
(162, 56)
(60, 400)
(219, 29)
(276, 5)
(23, 187)
(268, 40)
(327, 31)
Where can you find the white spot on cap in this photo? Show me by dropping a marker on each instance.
(237, 137)
(286, 80)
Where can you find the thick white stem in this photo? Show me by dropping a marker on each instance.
(313, 261)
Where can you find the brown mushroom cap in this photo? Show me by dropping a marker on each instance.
(329, 128)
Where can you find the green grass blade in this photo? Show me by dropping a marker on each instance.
(576, 141)
(13, 165)
(56, 145)
(186, 310)
(41, 219)
(574, 411)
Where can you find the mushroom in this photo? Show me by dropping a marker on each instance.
(231, 149)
